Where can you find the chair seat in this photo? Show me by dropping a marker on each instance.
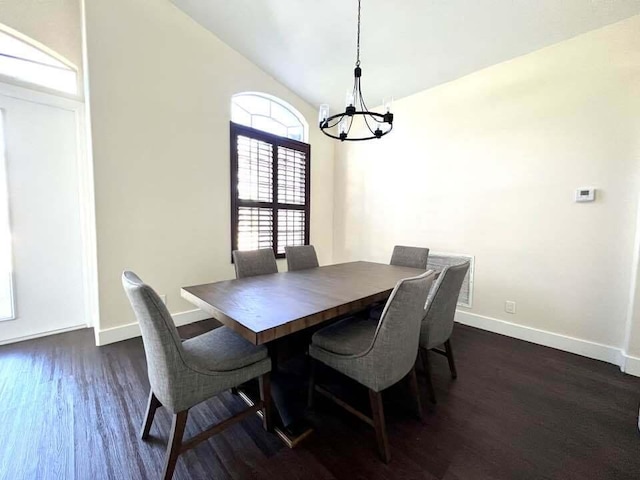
(222, 350)
(350, 336)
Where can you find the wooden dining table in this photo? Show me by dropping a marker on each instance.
(265, 308)
(270, 309)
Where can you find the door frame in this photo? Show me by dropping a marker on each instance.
(86, 194)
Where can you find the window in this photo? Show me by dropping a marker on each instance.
(25, 62)
(269, 190)
(269, 114)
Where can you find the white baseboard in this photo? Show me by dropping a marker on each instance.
(598, 351)
(132, 330)
(42, 334)
(630, 365)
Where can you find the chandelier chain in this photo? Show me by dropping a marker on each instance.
(358, 48)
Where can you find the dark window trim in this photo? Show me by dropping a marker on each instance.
(275, 141)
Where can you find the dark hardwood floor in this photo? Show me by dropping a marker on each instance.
(70, 410)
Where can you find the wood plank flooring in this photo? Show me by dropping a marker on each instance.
(70, 410)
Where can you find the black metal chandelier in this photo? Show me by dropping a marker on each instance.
(338, 126)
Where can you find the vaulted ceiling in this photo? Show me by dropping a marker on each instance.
(407, 45)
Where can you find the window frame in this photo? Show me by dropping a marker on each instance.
(60, 63)
(303, 124)
(275, 141)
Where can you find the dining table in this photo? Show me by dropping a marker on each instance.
(273, 309)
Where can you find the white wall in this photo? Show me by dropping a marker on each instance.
(488, 165)
(160, 89)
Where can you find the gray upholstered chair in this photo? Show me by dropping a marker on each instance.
(183, 374)
(301, 258)
(376, 355)
(437, 325)
(249, 263)
(414, 257)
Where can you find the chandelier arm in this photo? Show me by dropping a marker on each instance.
(338, 120)
(362, 98)
(368, 126)
(364, 109)
(359, 82)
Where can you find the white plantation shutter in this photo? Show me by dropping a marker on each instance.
(292, 173)
(255, 170)
(291, 229)
(269, 190)
(255, 228)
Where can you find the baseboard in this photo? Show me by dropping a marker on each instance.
(598, 351)
(42, 334)
(630, 365)
(132, 330)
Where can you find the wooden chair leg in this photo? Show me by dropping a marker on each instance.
(265, 396)
(152, 406)
(452, 363)
(175, 443)
(415, 393)
(377, 414)
(427, 372)
(312, 382)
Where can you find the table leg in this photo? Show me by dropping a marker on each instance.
(288, 391)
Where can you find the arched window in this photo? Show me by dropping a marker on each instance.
(270, 174)
(25, 62)
(269, 114)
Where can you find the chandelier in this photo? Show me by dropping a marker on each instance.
(377, 124)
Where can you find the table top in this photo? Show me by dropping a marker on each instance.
(267, 307)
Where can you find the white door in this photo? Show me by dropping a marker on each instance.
(41, 164)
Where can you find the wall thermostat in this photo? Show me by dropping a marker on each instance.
(587, 194)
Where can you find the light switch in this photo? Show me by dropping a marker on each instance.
(585, 194)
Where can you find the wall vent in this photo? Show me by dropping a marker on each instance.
(438, 260)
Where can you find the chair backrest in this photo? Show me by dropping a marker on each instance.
(441, 306)
(162, 344)
(414, 257)
(395, 345)
(301, 258)
(250, 263)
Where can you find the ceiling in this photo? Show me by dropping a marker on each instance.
(406, 46)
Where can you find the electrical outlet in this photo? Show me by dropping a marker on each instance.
(163, 298)
(510, 306)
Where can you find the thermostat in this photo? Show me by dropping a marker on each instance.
(585, 194)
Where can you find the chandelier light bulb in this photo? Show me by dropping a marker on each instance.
(387, 104)
(343, 127)
(323, 114)
(348, 102)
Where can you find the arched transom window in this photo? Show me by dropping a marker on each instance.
(25, 62)
(269, 114)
